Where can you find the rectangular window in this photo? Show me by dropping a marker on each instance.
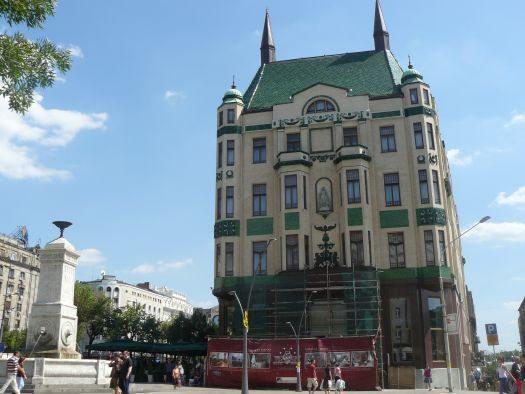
(418, 135)
(221, 120)
(230, 153)
(435, 182)
(423, 187)
(259, 258)
(304, 192)
(292, 252)
(231, 116)
(401, 324)
(437, 337)
(414, 98)
(396, 250)
(353, 188)
(22, 275)
(366, 186)
(218, 258)
(430, 134)
(392, 193)
(442, 251)
(306, 251)
(219, 155)
(219, 203)
(350, 136)
(259, 150)
(357, 250)
(259, 199)
(388, 139)
(293, 142)
(429, 248)
(11, 273)
(426, 97)
(229, 201)
(290, 191)
(229, 259)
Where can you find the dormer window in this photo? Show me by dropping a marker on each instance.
(320, 106)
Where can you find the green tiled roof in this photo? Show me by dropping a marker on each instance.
(366, 73)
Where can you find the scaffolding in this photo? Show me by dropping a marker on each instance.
(319, 302)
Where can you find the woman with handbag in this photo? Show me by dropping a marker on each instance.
(115, 364)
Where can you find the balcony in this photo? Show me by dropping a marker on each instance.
(352, 152)
(292, 158)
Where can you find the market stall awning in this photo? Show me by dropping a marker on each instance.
(182, 349)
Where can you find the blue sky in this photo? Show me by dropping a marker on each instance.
(124, 144)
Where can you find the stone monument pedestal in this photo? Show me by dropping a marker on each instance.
(52, 328)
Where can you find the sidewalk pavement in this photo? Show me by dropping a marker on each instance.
(163, 388)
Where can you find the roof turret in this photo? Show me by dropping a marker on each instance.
(411, 75)
(233, 96)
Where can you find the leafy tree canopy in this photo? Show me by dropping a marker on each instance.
(25, 64)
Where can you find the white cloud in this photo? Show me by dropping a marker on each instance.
(143, 269)
(516, 198)
(515, 120)
(22, 135)
(174, 95)
(75, 51)
(512, 305)
(454, 158)
(162, 266)
(498, 232)
(90, 256)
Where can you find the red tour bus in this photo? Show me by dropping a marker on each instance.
(272, 362)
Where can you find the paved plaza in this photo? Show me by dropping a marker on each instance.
(161, 388)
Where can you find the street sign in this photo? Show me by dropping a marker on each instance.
(492, 334)
(452, 323)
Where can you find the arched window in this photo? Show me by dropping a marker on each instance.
(320, 106)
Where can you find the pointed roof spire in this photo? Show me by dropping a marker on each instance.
(267, 44)
(381, 36)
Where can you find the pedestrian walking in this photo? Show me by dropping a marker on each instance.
(21, 374)
(12, 369)
(181, 373)
(515, 371)
(176, 376)
(311, 377)
(326, 385)
(427, 377)
(115, 364)
(503, 376)
(125, 373)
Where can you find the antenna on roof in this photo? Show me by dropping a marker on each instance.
(233, 82)
(62, 225)
(410, 62)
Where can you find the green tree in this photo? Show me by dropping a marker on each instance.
(27, 64)
(126, 322)
(92, 311)
(14, 340)
(193, 329)
(151, 330)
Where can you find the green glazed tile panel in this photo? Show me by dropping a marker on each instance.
(259, 226)
(355, 216)
(360, 73)
(431, 216)
(419, 111)
(389, 114)
(392, 219)
(352, 157)
(292, 163)
(227, 228)
(291, 221)
(257, 127)
(229, 130)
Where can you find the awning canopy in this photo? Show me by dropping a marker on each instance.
(182, 349)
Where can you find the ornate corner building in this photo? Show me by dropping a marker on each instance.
(340, 158)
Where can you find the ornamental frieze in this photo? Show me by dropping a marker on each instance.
(314, 118)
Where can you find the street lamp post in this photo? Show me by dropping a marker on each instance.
(244, 312)
(443, 303)
(297, 339)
